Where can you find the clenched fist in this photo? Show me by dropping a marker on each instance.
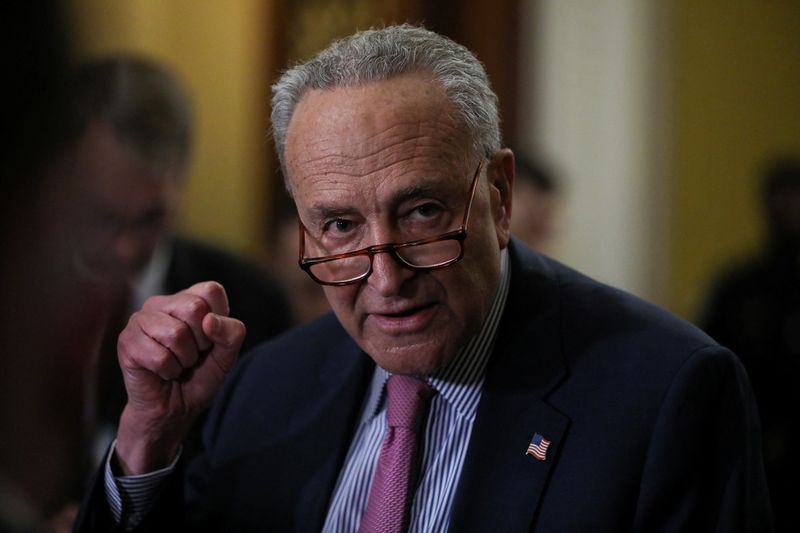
(174, 355)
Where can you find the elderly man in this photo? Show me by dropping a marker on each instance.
(462, 383)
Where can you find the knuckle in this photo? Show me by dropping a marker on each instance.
(161, 362)
(123, 341)
(175, 335)
(207, 288)
(122, 348)
(124, 336)
(214, 287)
(197, 308)
(128, 339)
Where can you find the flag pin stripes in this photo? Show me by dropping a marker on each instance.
(538, 447)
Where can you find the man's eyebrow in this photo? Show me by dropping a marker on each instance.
(410, 193)
(325, 212)
(434, 188)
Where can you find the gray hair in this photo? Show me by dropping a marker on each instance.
(380, 54)
(145, 104)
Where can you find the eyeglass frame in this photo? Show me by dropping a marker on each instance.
(459, 235)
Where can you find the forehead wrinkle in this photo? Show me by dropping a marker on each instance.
(438, 129)
(437, 137)
(376, 154)
(322, 172)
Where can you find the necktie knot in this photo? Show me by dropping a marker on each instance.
(406, 400)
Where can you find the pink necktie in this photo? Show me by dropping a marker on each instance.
(393, 485)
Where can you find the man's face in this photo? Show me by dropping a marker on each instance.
(128, 205)
(375, 164)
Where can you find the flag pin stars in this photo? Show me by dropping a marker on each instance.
(538, 447)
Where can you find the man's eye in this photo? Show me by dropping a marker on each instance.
(341, 225)
(427, 210)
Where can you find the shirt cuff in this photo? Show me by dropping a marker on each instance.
(131, 497)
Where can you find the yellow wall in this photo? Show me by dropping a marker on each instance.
(736, 100)
(219, 49)
(735, 97)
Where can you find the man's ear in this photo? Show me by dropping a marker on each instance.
(501, 182)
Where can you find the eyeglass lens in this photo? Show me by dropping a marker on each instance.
(426, 255)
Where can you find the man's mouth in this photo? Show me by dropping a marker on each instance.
(405, 312)
(406, 320)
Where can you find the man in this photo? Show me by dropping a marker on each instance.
(755, 309)
(128, 155)
(553, 403)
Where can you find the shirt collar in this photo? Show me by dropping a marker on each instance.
(461, 382)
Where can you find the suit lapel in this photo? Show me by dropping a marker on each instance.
(294, 472)
(347, 376)
(501, 486)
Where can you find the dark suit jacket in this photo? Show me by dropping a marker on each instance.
(653, 426)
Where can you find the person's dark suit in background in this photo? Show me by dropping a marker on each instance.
(128, 152)
(755, 310)
(390, 145)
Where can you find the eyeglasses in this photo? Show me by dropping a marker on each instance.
(422, 254)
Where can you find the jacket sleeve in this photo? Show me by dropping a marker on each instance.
(704, 468)
(167, 513)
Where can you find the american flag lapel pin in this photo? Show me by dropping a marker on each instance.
(538, 447)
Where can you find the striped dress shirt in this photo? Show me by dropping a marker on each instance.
(447, 430)
(444, 445)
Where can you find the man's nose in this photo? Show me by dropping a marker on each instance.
(388, 274)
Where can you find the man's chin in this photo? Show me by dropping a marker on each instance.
(412, 359)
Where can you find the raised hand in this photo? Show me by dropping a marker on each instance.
(174, 355)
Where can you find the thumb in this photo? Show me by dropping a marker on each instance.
(227, 335)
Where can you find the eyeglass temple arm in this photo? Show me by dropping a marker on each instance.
(472, 193)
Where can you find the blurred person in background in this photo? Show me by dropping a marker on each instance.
(127, 153)
(537, 201)
(754, 308)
